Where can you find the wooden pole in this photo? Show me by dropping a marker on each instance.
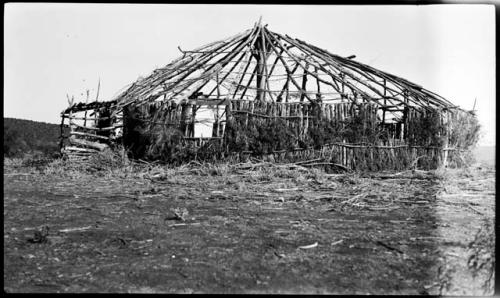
(263, 53)
(318, 87)
(304, 82)
(385, 102)
(249, 81)
(223, 78)
(242, 76)
(86, 101)
(285, 86)
(270, 36)
(222, 62)
(329, 58)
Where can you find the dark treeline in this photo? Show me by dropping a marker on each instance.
(30, 137)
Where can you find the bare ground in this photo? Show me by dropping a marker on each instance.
(270, 229)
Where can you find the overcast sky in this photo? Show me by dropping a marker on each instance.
(56, 49)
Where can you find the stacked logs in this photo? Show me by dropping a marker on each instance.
(90, 133)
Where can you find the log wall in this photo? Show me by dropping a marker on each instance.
(90, 133)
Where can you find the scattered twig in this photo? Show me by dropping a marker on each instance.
(75, 229)
(353, 199)
(474, 209)
(286, 189)
(389, 247)
(309, 246)
(337, 242)
(308, 161)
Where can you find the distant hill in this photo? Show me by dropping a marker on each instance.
(25, 136)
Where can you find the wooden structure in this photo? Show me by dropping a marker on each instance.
(260, 74)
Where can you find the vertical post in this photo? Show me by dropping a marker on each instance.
(287, 95)
(304, 83)
(85, 116)
(71, 126)
(228, 119)
(265, 82)
(403, 126)
(218, 89)
(261, 60)
(446, 140)
(61, 142)
(342, 96)
(385, 102)
(185, 112)
(318, 93)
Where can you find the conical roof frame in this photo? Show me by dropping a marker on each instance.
(259, 64)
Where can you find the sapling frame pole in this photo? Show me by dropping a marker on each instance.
(270, 36)
(285, 86)
(274, 63)
(261, 73)
(396, 81)
(342, 79)
(345, 62)
(249, 82)
(222, 62)
(223, 78)
(244, 73)
(196, 63)
(318, 79)
(264, 62)
(321, 66)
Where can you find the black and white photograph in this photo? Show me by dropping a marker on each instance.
(249, 149)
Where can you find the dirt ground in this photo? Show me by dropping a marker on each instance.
(264, 229)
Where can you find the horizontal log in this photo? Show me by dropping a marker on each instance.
(393, 110)
(72, 148)
(389, 107)
(81, 107)
(207, 102)
(200, 138)
(88, 118)
(95, 145)
(369, 146)
(78, 154)
(95, 128)
(77, 133)
(266, 116)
